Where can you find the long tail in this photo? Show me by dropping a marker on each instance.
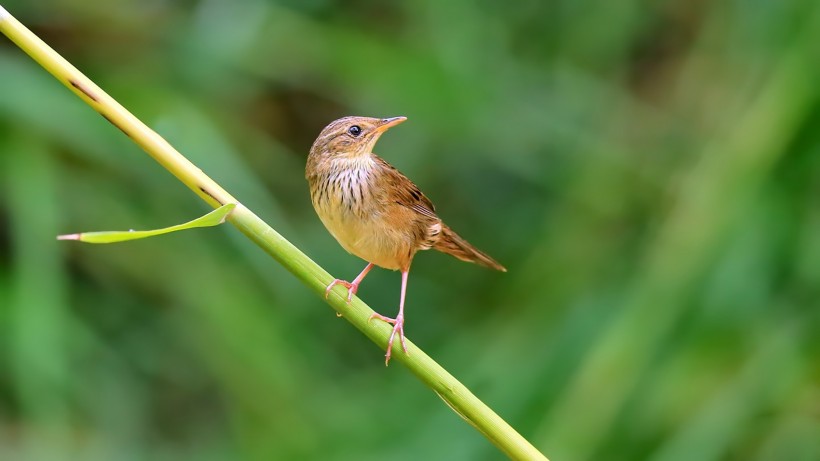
(451, 243)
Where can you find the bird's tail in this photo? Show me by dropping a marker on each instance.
(451, 243)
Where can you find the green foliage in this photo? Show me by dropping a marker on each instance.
(649, 173)
(214, 218)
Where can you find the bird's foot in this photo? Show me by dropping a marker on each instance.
(351, 288)
(398, 327)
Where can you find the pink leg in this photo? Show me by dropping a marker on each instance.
(352, 287)
(398, 322)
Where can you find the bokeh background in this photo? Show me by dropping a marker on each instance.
(649, 172)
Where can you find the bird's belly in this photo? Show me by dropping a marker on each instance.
(369, 238)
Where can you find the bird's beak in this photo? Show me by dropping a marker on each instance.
(388, 122)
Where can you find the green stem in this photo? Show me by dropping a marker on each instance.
(455, 394)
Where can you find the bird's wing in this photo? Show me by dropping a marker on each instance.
(406, 193)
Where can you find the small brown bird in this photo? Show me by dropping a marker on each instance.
(373, 210)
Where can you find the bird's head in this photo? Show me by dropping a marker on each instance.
(352, 137)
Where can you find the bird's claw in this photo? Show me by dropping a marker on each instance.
(351, 288)
(398, 327)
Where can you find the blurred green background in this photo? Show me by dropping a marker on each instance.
(649, 172)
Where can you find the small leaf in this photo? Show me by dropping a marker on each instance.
(213, 218)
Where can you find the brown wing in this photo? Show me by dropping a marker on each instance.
(405, 192)
(428, 230)
(421, 221)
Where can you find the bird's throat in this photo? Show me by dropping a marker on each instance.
(345, 187)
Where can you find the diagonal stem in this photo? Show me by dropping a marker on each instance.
(455, 394)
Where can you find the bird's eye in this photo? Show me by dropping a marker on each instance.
(354, 130)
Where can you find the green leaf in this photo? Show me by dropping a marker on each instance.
(213, 218)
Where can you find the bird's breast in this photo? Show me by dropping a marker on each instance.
(351, 207)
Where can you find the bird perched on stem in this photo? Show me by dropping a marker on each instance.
(374, 211)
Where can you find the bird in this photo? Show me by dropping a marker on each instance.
(374, 211)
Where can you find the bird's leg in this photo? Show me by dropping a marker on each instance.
(352, 287)
(398, 322)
